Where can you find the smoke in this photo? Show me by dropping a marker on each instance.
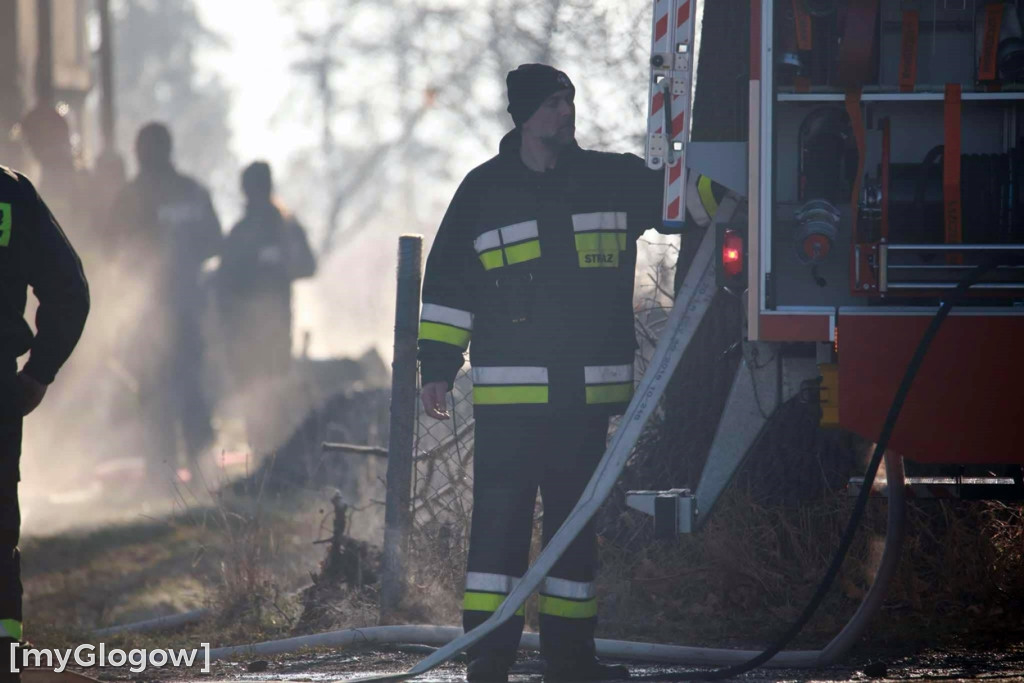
(85, 456)
(349, 306)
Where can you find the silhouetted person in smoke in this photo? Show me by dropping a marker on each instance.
(264, 253)
(166, 228)
(67, 186)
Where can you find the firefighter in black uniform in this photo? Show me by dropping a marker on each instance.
(535, 261)
(263, 254)
(166, 227)
(33, 252)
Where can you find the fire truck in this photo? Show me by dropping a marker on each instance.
(873, 222)
(882, 165)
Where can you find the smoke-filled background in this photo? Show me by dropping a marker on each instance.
(369, 113)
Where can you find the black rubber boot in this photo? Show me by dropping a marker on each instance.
(486, 670)
(586, 670)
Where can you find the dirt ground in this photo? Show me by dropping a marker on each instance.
(970, 659)
(241, 558)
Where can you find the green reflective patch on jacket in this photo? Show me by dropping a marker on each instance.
(600, 249)
(486, 602)
(527, 251)
(448, 334)
(610, 393)
(601, 241)
(511, 394)
(6, 222)
(11, 628)
(568, 609)
(516, 253)
(492, 259)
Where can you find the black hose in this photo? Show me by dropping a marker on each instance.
(970, 279)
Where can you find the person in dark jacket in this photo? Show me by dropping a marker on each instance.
(264, 253)
(534, 261)
(165, 227)
(34, 252)
(67, 187)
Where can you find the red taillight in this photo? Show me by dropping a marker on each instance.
(732, 253)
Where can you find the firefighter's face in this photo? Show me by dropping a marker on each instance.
(554, 122)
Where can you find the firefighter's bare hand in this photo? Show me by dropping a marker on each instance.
(31, 392)
(435, 400)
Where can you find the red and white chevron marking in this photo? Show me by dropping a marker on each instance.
(661, 41)
(673, 25)
(661, 44)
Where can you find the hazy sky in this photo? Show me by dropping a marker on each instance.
(255, 65)
(342, 313)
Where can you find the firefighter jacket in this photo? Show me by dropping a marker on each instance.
(165, 225)
(533, 273)
(35, 252)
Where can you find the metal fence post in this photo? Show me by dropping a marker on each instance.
(397, 511)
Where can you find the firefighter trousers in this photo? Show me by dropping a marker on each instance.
(514, 456)
(10, 519)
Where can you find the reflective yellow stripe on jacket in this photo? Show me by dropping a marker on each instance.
(5, 224)
(446, 324)
(701, 202)
(609, 383)
(508, 245)
(510, 385)
(600, 238)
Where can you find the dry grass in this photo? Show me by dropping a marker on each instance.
(241, 558)
(738, 582)
(748, 575)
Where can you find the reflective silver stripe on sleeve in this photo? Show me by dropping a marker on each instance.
(607, 374)
(490, 583)
(519, 232)
(510, 375)
(436, 313)
(563, 588)
(487, 241)
(599, 220)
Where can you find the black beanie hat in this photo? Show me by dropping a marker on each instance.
(531, 84)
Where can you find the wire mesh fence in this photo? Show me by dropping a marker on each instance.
(442, 504)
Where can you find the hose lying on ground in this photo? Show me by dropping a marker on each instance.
(437, 636)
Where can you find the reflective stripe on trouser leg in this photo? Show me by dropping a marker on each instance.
(504, 493)
(568, 614)
(485, 592)
(568, 599)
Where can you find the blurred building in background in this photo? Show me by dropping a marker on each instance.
(45, 58)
